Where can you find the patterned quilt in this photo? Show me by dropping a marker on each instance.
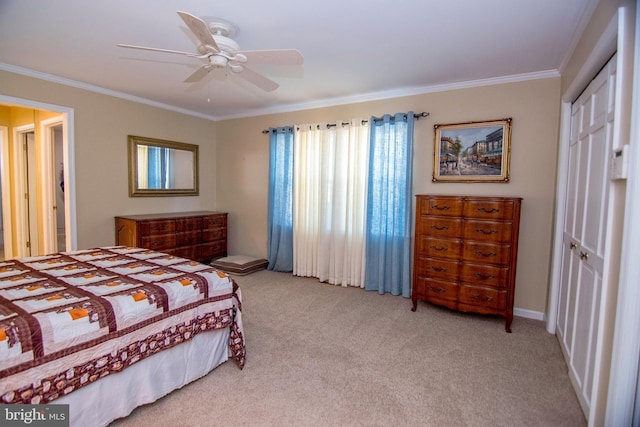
(71, 318)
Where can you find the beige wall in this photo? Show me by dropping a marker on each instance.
(242, 165)
(239, 162)
(234, 153)
(102, 124)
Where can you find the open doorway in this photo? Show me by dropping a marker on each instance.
(53, 174)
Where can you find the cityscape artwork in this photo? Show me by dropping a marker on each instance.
(472, 151)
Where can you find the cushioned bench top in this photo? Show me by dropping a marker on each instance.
(240, 264)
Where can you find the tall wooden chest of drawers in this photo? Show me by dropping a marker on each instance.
(466, 252)
(201, 236)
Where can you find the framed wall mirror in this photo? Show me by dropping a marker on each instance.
(162, 168)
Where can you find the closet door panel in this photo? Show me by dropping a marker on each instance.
(584, 230)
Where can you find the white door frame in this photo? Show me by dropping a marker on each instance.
(47, 182)
(624, 393)
(21, 223)
(6, 193)
(68, 155)
(623, 375)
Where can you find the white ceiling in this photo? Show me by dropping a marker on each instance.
(354, 50)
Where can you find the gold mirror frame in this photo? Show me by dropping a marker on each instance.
(181, 171)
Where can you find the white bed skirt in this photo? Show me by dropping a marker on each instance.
(117, 395)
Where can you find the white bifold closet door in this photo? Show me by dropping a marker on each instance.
(592, 119)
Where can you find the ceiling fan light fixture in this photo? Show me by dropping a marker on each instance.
(215, 44)
(218, 61)
(226, 44)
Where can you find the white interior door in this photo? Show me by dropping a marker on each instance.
(19, 202)
(31, 178)
(592, 119)
(52, 196)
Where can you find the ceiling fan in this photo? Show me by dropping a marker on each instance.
(221, 52)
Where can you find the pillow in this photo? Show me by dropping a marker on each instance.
(240, 264)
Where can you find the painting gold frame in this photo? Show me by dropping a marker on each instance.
(472, 151)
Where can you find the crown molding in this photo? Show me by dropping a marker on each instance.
(586, 16)
(394, 93)
(322, 103)
(93, 88)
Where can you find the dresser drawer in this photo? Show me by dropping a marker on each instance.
(492, 299)
(436, 289)
(189, 252)
(440, 227)
(189, 224)
(439, 248)
(158, 242)
(214, 221)
(213, 234)
(488, 231)
(188, 238)
(157, 227)
(437, 268)
(213, 250)
(486, 252)
(441, 206)
(484, 275)
(489, 209)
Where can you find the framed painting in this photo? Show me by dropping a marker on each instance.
(472, 151)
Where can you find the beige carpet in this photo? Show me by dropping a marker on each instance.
(321, 355)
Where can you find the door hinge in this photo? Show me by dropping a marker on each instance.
(28, 244)
(26, 196)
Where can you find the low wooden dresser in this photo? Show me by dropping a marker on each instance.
(201, 236)
(465, 253)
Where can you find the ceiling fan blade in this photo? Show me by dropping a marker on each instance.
(274, 56)
(199, 74)
(155, 49)
(200, 29)
(257, 79)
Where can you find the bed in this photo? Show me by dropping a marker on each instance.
(111, 328)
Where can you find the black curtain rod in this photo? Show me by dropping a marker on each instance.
(415, 116)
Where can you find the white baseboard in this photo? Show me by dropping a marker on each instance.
(529, 314)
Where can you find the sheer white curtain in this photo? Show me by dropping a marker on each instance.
(329, 189)
(143, 166)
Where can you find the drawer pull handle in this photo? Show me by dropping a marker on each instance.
(437, 290)
(481, 297)
(485, 254)
(439, 248)
(441, 269)
(483, 231)
(484, 276)
(584, 255)
(572, 245)
(444, 227)
(440, 208)
(485, 210)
